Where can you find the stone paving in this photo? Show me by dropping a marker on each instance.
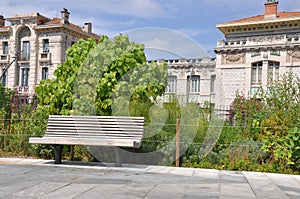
(33, 178)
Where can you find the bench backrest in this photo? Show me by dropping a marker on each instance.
(108, 127)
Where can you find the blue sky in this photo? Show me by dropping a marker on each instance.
(167, 25)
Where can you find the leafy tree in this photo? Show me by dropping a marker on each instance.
(96, 77)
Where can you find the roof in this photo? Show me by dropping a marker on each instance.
(280, 15)
(5, 29)
(56, 20)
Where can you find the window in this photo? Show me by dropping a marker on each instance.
(25, 32)
(5, 48)
(24, 75)
(212, 83)
(256, 73)
(273, 71)
(193, 84)
(45, 45)
(3, 80)
(44, 73)
(172, 84)
(25, 51)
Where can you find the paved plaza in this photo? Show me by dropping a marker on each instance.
(34, 178)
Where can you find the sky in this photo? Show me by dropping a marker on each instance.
(168, 28)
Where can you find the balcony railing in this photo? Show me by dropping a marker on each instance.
(22, 89)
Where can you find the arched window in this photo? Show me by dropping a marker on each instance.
(23, 43)
(24, 32)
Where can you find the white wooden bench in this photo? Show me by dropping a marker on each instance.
(117, 131)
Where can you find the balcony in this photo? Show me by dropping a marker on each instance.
(4, 59)
(45, 56)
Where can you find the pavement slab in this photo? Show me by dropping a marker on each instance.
(33, 178)
(263, 186)
(288, 184)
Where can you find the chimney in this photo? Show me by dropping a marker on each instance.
(2, 21)
(88, 27)
(65, 16)
(271, 9)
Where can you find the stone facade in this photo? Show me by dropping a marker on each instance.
(255, 51)
(200, 88)
(34, 45)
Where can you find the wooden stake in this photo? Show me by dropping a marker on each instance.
(177, 162)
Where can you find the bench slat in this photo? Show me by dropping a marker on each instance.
(95, 116)
(96, 121)
(86, 141)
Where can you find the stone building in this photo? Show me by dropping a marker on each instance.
(190, 80)
(255, 51)
(33, 45)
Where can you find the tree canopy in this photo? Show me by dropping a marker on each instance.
(96, 77)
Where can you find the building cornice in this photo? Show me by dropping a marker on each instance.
(256, 47)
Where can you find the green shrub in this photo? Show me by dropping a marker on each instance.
(228, 135)
(240, 155)
(280, 135)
